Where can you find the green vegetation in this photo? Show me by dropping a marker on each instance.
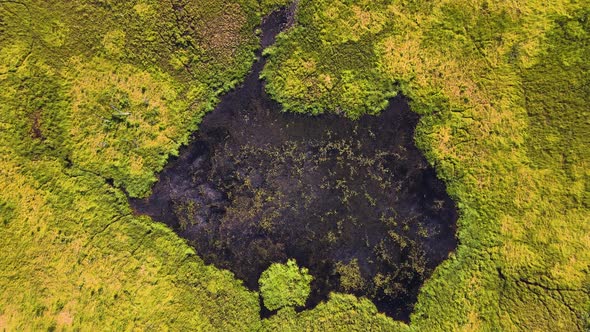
(100, 92)
(350, 276)
(120, 93)
(340, 313)
(285, 285)
(503, 90)
(327, 61)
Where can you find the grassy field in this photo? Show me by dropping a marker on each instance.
(503, 89)
(95, 96)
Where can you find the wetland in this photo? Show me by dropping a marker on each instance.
(355, 202)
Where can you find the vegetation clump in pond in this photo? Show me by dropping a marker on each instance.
(284, 285)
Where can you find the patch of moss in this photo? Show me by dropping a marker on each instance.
(285, 285)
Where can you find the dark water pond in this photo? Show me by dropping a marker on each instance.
(354, 201)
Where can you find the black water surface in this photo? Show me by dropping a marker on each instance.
(354, 201)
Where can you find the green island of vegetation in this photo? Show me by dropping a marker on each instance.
(284, 285)
(96, 96)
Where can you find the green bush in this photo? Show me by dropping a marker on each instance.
(285, 285)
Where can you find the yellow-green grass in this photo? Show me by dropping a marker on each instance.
(503, 90)
(93, 93)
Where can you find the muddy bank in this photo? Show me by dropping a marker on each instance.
(354, 201)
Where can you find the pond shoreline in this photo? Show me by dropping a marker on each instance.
(354, 201)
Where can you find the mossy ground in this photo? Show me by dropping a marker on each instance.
(503, 87)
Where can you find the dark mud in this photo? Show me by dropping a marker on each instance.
(354, 201)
